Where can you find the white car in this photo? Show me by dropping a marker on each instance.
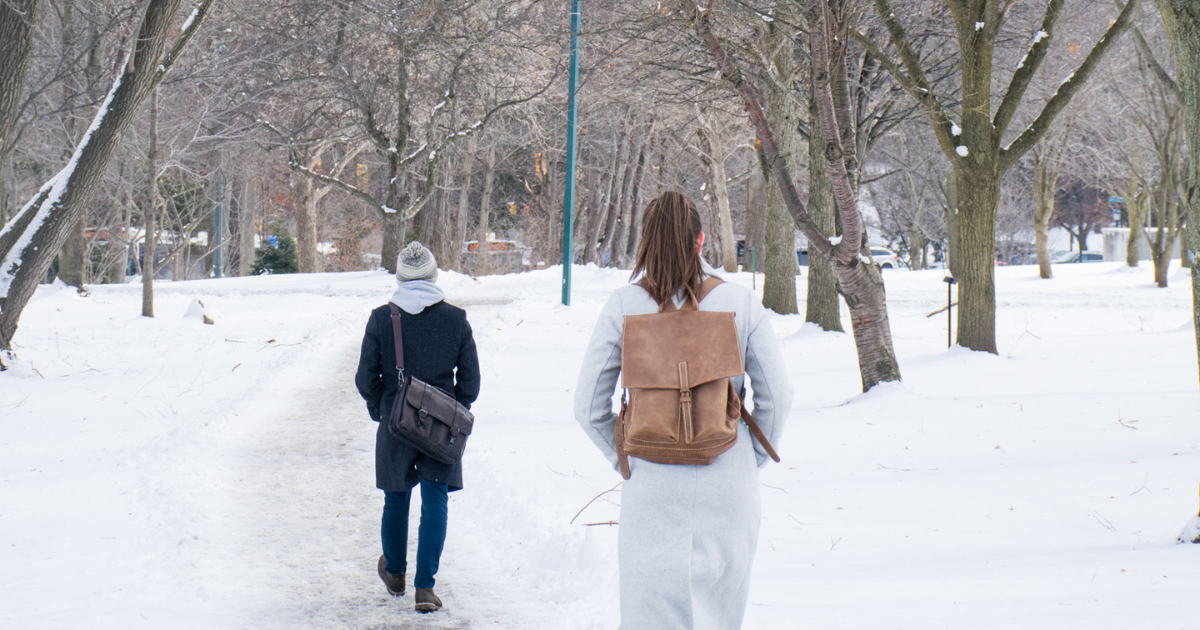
(885, 258)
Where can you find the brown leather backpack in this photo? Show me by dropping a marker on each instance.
(679, 405)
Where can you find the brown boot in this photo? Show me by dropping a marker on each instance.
(427, 602)
(394, 583)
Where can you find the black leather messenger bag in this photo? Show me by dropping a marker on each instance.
(426, 417)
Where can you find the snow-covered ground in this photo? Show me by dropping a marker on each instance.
(163, 473)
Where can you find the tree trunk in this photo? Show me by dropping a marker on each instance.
(72, 256)
(977, 257)
(483, 256)
(247, 222)
(464, 198)
(17, 19)
(951, 255)
(822, 307)
(29, 242)
(395, 224)
(620, 242)
(1184, 260)
(755, 222)
(1166, 220)
(712, 144)
(1045, 181)
(598, 212)
(1133, 247)
(621, 178)
(394, 229)
(149, 217)
(780, 266)
(73, 253)
(304, 204)
(586, 217)
(638, 210)
(8, 195)
(916, 248)
(1162, 264)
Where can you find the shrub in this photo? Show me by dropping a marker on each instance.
(279, 257)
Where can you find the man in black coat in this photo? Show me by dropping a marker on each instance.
(440, 350)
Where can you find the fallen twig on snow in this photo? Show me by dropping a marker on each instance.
(612, 489)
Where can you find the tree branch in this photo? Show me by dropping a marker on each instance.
(354, 191)
(1026, 69)
(915, 82)
(1152, 61)
(191, 26)
(1038, 128)
(768, 151)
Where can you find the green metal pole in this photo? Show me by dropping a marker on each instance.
(753, 273)
(569, 189)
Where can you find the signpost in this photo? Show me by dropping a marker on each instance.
(569, 189)
(950, 304)
(950, 282)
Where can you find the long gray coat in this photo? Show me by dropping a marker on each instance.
(688, 533)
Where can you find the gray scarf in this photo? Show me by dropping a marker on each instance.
(413, 296)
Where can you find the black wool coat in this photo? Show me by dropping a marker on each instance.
(438, 349)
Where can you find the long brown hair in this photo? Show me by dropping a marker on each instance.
(667, 253)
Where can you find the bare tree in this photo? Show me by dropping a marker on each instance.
(1047, 159)
(1182, 19)
(29, 241)
(981, 151)
(712, 153)
(859, 279)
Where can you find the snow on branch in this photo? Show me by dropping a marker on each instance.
(189, 29)
(17, 235)
(1027, 68)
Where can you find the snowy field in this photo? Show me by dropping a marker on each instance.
(163, 473)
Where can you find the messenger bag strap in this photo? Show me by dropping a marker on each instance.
(399, 336)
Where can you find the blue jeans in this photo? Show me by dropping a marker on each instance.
(431, 536)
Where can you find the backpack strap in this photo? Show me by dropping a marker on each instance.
(706, 287)
(619, 440)
(758, 434)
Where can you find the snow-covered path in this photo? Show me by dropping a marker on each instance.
(167, 474)
(302, 522)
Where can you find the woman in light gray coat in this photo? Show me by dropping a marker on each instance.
(688, 533)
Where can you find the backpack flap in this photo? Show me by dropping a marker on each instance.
(676, 365)
(653, 346)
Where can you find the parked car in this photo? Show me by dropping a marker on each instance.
(1076, 257)
(886, 258)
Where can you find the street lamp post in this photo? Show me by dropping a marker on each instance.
(569, 189)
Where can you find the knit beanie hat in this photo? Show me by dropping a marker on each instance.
(416, 263)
